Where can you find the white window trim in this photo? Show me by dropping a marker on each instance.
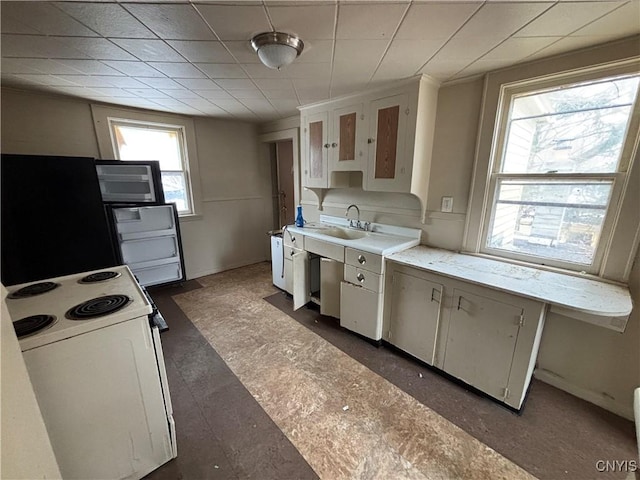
(104, 116)
(616, 255)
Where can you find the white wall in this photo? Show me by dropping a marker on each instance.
(235, 184)
(26, 449)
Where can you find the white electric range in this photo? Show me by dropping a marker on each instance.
(97, 369)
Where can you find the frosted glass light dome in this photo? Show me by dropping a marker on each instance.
(277, 49)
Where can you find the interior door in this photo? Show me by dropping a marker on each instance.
(301, 287)
(284, 158)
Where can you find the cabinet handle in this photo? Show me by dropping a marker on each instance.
(360, 278)
(371, 140)
(334, 144)
(361, 259)
(433, 298)
(326, 145)
(459, 300)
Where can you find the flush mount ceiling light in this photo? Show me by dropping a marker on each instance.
(277, 49)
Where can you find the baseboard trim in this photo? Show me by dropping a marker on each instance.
(585, 394)
(204, 273)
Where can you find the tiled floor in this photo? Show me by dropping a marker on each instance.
(270, 399)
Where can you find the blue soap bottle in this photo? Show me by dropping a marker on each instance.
(299, 218)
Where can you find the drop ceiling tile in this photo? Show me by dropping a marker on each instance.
(236, 84)
(169, 102)
(159, 82)
(619, 23)
(202, 51)
(9, 24)
(287, 107)
(308, 71)
(567, 44)
(283, 84)
(35, 46)
(222, 70)
(406, 57)
(53, 80)
(197, 102)
(214, 95)
(443, 69)
(178, 70)
(564, 18)
(435, 21)
(312, 95)
(347, 89)
(358, 58)
(233, 106)
(198, 83)
(112, 92)
(247, 94)
(90, 67)
(316, 51)
(45, 18)
(242, 51)
(134, 69)
(86, 81)
(515, 49)
(257, 105)
(97, 48)
(305, 21)
(235, 22)
(481, 66)
(259, 71)
(108, 19)
(149, 50)
(375, 21)
(123, 82)
(179, 93)
(280, 94)
(147, 92)
(176, 22)
(35, 65)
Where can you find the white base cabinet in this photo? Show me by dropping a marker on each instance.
(360, 310)
(486, 338)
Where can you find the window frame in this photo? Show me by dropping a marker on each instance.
(104, 117)
(499, 88)
(617, 178)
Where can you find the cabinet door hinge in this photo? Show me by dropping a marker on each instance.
(393, 279)
(506, 393)
(521, 320)
(389, 335)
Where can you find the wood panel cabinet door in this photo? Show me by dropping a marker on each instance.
(415, 315)
(316, 150)
(347, 140)
(386, 170)
(481, 341)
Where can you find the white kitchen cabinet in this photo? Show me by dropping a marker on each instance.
(415, 315)
(391, 141)
(387, 170)
(300, 278)
(359, 310)
(316, 146)
(484, 337)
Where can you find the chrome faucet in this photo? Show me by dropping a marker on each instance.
(357, 223)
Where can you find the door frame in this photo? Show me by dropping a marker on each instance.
(292, 134)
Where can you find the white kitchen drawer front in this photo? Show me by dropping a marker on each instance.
(365, 260)
(359, 311)
(324, 249)
(293, 240)
(358, 276)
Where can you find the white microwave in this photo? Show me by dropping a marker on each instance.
(130, 181)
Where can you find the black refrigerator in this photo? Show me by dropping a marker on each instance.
(52, 218)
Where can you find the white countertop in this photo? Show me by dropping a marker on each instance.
(575, 293)
(381, 239)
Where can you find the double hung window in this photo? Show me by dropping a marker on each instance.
(560, 158)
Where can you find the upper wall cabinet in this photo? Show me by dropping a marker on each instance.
(385, 134)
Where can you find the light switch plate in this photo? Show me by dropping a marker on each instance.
(447, 205)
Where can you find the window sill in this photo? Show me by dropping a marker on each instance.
(189, 217)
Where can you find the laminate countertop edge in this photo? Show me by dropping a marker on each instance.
(583, 295)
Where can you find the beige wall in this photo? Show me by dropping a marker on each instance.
(235, 185)
(26, 449)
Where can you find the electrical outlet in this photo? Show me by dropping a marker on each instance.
(447, 205)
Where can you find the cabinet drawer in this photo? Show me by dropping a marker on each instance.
(365, 260)
(358, 276)
(324, 249)
(293, 240)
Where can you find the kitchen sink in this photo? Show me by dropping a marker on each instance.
(345, 234)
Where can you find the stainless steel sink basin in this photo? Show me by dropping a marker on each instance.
(344, 233)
